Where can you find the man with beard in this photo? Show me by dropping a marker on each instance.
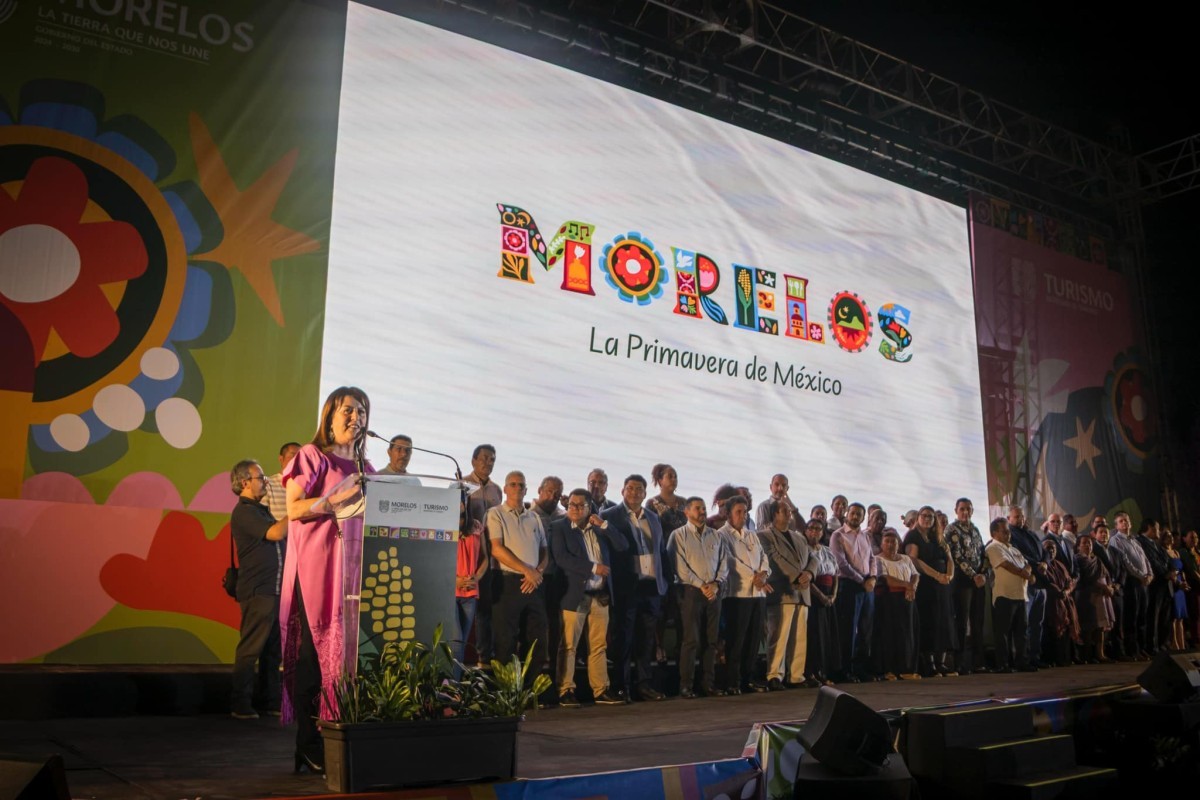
(851, 547)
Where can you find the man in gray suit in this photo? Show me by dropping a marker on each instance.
(792, 569)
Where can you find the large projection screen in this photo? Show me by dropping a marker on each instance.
(456, 158)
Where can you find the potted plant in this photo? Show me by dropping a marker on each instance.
(404, 719)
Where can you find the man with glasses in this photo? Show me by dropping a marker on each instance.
(639, 583)
(259, 540)
(519, 545)
(399, 454)
(582, 545)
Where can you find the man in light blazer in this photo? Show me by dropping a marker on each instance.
(639, 583)
(792, 570)
(582, 545)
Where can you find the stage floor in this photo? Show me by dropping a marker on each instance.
(213, 756)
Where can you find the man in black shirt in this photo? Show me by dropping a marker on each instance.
(258, 538)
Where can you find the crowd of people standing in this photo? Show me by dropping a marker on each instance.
(834, 596)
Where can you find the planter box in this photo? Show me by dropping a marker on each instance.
(376, 755)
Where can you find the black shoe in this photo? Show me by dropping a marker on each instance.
(1028, 668)
(758, 687)
(568, 699)
(687, 694)
(305, 761)
(610, 698)
(775, 685)
(244, 713)
(647, 692)
(714, 692)
(811, 683)
(732, 691)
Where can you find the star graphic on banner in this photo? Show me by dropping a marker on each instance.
(252, 239)
(1081, 443)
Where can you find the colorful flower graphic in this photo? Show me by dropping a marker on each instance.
(515, 240)
(53, 263)
(634, 268)
(116, 273)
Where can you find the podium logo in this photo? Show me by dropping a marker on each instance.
(435, 507)
(383, 506)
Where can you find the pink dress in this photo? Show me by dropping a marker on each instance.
(314, 553)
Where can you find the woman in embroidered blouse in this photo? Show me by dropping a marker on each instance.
(894, 648)
(823, 658)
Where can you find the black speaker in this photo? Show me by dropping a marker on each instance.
(846, 735)
(43, 779)
(1172, 677)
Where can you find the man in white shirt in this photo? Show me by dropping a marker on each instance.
(276, 497)
(1138, 577)
(700, 573)
(520, 546)
(1009, 593)
(745, 600)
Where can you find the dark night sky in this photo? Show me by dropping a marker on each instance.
(1092, 73)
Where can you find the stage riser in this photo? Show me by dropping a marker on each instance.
(968, 766)
(931, 733)
(1082, 783)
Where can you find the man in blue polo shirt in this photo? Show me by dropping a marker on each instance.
(259, 539)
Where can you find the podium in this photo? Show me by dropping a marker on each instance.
(399, 553)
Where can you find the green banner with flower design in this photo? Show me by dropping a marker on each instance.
(166, 173)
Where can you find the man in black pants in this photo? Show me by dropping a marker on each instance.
(519, 544)
(1009, 595)
(700, 572)
(970, 594)
(259, 540)
(639, 583)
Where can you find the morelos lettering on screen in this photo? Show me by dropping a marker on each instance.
(636, 271)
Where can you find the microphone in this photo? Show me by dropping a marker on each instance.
(457, 468)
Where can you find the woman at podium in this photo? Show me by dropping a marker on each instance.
(311, 609)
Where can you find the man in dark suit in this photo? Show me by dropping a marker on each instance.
(1027, 542)
(639, 583)
(582, 546)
